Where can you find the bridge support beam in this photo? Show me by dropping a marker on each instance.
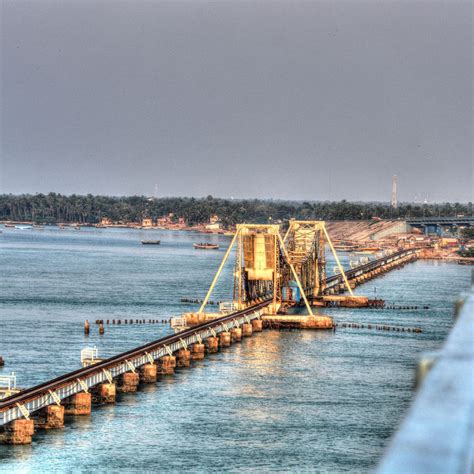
(166, 365)
(17, 432)
(79, 404)
(183, 358)
(50, 417)
(148, 373)
(212, 345)
(198, 351)
(104, 393)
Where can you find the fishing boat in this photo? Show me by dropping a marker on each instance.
(151, 242)
(205, 246)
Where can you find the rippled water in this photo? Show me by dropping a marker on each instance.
(278, 401)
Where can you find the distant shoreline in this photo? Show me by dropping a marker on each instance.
(200, 229)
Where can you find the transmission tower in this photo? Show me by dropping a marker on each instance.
(394, 192)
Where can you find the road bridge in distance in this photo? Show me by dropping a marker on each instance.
(440, 225)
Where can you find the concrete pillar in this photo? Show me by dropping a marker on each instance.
(246, 330)
(148, 373)
(104, 393)
(183, 358)
(198, 351)
(166, 365)
(212, 345)
(17, 432)
(50, 417)
(78, 404)
(128, 382)
(257, 325)
(224, 339)
(236, 334)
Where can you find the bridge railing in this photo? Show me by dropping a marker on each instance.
(437, 436)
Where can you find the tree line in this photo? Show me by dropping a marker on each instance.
(89, 209)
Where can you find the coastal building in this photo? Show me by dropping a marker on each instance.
(147, 222)
(214, 223)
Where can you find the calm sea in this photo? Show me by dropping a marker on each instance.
(279, 401)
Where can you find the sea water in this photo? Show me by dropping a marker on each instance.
(279, 401)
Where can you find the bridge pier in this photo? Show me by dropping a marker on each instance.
(17, 432)
(166, 365)
(236, 334)
(183, 358)
(104, 393)
(79, 404)
(257, 325)
(148, 373)
(128, 382)
(225, 339)
(246, 330)
(212, 345)
(198, 351)
(50, 417)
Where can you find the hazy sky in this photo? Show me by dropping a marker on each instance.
(294, 100)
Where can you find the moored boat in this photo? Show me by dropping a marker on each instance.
(206, 246)
(151, 242)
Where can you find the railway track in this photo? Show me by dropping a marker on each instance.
(367, 267)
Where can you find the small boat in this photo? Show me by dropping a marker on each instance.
(206, 246)
(23, 227)
(151, 242)
(10, 225)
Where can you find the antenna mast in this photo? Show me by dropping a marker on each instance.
(394, 192)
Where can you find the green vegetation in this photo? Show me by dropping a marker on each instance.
(466, 253)
(467, 233)
(52, 207)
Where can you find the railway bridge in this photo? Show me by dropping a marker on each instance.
(271, 273)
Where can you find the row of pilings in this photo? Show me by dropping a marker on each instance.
(101, 322)
(377, 327)
(21, 431)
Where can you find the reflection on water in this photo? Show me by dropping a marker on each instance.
(287, 400)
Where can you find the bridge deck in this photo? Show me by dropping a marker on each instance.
(334, 280)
